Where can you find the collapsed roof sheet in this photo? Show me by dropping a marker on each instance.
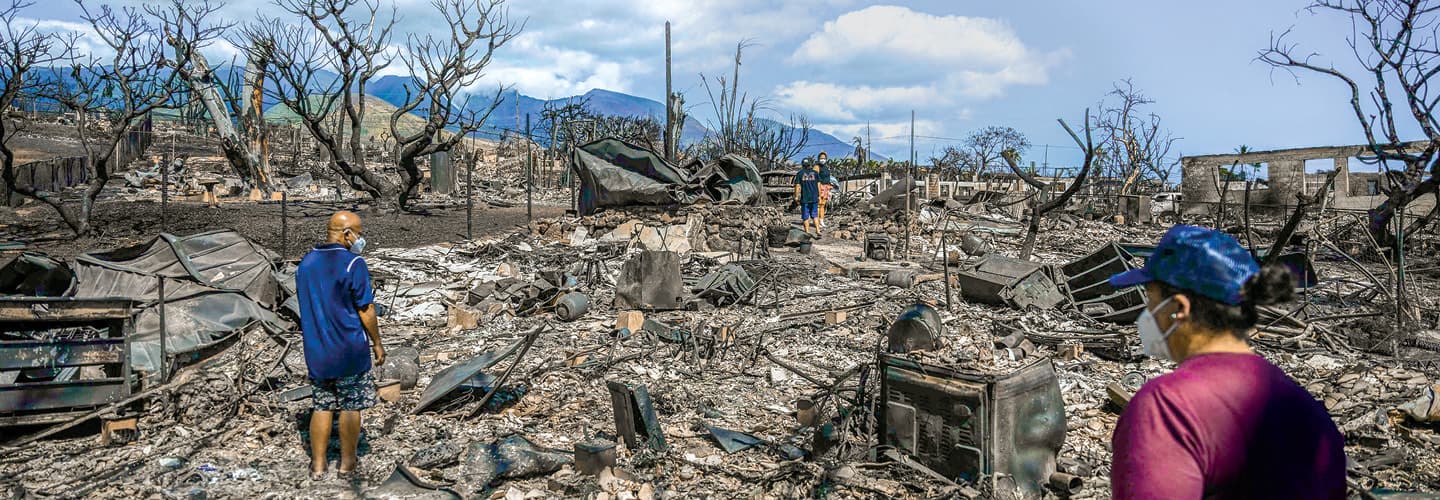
(216, 283)
(221, 259)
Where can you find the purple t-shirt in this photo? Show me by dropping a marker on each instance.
(1226, 425)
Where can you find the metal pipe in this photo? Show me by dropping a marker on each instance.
(1066, 483)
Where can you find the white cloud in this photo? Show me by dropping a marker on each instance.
(892, 133)
(906, 59)
(549, 72)
(831, 101)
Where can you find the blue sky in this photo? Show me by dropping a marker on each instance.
(960, 64)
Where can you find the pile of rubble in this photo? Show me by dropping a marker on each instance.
(646, 353)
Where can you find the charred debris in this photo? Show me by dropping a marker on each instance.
(675, 337)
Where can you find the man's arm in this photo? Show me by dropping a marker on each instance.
(372, 330)
(364, 296)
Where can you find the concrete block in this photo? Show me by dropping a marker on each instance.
(463, 317)
(594, 456)
(388, 390)
(631, 320)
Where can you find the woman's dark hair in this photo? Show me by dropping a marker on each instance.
(1272, 285)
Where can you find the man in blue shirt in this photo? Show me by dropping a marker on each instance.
(337, 318)
(807, 193)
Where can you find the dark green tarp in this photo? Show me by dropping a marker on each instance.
(615, 173)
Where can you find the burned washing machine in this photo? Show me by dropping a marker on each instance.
(1000, 431)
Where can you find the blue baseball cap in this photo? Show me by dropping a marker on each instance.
(1196, 259)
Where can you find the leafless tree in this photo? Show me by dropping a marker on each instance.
(1041, 208)
(642, 130)
(952, 160)
(739, 127)
(113, 93)
(1134, 142)
(443, 69)
(773, 143)
(178, 17)
(23, 51)
(1397, 45)
(556, 117)
(984, 147)
(346, 37)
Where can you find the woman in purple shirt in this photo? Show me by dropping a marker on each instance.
(1226, 423)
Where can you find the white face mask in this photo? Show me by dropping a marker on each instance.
(1152, 340)
(358, 246)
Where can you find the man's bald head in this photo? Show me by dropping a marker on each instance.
(341, 221)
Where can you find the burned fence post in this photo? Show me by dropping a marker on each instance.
(165, 193)
(162, 363)
(284, 223)
(470, 197)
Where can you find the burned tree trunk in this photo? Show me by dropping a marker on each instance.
(1303, 204)
(246, 162)
(1042, 208)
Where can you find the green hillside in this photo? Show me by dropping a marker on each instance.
(375, 125)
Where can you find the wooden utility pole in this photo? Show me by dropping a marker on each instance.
(529, 173)
(669, 103)
(909, 184)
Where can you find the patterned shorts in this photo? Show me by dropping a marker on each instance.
(352, 393)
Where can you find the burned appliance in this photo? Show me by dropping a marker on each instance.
(1086, 282)
(917, 328)
(1002, 431)
(61, 357)
(1007, 281)
(878, 246)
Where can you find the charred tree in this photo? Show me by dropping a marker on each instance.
(1135, 143)
(176, 19)
(983, 147)
(23, 51)
(1395, 44)
(1044, 207)
(113, 94)
(347, 38)
(444, 68)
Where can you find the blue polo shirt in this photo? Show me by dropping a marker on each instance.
(333, 284)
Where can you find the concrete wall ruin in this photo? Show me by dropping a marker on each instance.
(1200, 180)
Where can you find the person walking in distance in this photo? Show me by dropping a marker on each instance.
(341, 332)
(827, 184)
(1226, 423)
(807, 193)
